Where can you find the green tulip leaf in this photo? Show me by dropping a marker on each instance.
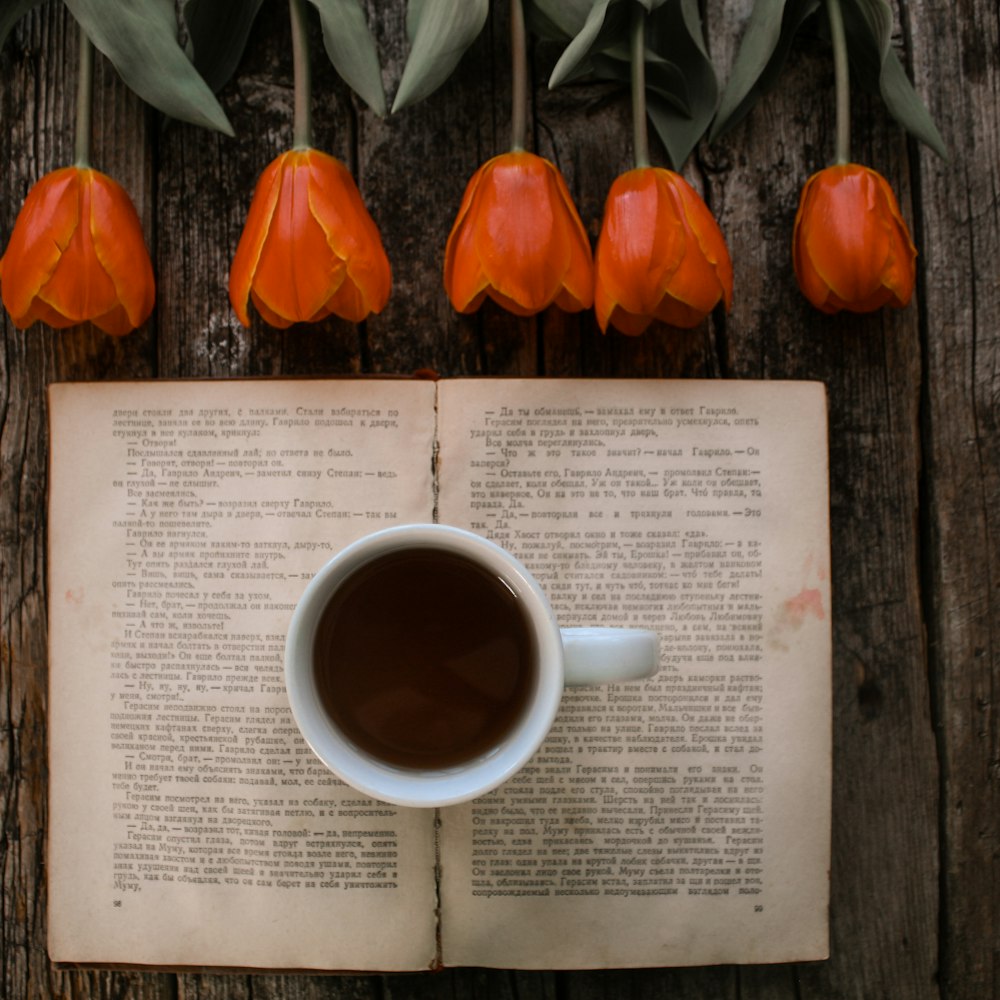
(676, 28)
(139, 37)
(351, 49)
(756, 51)
(671, 83)
(606, 23)
(874, 18)
(218, 35)
(905, 105)
(441, 32)
(11, 13)
(876, 67)
(664, 80)
(763, 50)
(542, 26)
(561, 19)
(414, 13)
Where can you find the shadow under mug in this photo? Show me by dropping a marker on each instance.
(568, 656)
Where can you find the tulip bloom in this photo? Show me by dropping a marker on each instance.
(309, 248)
(519, 240)
(660, 254)
(851, 247)
(76, 255)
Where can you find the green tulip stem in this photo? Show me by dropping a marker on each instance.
(637, 55)
(842, 82)
(84, 100)
(519, 77)
(302, 128)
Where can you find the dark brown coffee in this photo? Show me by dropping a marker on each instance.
(424, 659)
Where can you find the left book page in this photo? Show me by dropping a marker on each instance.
(190, 824)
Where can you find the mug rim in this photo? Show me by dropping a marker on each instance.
(403, 786)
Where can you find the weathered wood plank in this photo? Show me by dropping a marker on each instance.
(955, 64)
(236, 986)
(37, 105)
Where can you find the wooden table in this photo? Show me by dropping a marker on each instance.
(915, 454)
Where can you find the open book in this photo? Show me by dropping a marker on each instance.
(682, 820)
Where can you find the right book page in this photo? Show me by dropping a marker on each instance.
(683, 820)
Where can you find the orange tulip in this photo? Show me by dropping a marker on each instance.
(309, 248)
(519, 240)
(76, 255)
(660, 254)
(851, 247)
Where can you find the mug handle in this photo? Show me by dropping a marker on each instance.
(609, 655)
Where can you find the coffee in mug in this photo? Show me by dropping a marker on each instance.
(424, 665)
(424, 658)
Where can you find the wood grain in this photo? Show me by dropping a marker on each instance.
(960, 291)
(915, 460)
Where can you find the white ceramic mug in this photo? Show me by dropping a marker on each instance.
(571, 656)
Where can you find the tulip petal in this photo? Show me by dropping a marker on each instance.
(712, 245)
(679, 314)
(511, 305)
(116, 322)
(350, 303)
(465, 280)
(625, 254)
(631, 324)
(642, 242)
(351, 235)
(899, 276)
(695, 282)
(118, 242)
(570, 301)
(42, 312)
(463, 277)
(247, 256)
(79, 287)
(43, 229)
(578, 278)
(296, 273)
(813, 287)
(515, 237)
(268, 314)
